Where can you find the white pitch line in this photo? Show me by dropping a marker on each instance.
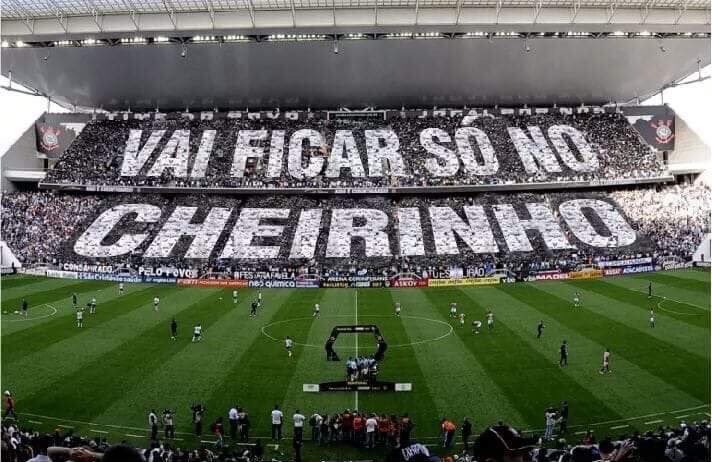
(580, 433)
(671, 299)
(134, 436)
(618, 427)
(65, 426)
(682, 416)
(37, 422)
(356, 315)
(653, 422)
(98, 431)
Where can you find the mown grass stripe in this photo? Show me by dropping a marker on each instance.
(681, 282)
(627, 342)
(19, 280)
(399, 365)
(458, 382)
(190, 375)
(68, 356)
(629, 390)
(698, 318)
(540, 372)
(43, 335)
(260, 377)
(599, 308)
(311, 365)
(60, 293)
(153, 347)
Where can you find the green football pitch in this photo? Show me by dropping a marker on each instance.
(104, 378)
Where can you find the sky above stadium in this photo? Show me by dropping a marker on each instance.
(18, 111)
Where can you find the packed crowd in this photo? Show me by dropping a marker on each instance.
(97, 155)
(676, 218)
(687, 442)
(44, 227)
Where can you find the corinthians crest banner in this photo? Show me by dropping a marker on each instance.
(53, 138)
(656, 124)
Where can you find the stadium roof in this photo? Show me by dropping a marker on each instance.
(51, 8)
(202, 54)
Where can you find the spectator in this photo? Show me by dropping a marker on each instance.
(277, 417)
(298, 419)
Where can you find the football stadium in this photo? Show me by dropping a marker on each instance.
(355, 230)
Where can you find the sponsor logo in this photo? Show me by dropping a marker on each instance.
(612, 271)
(159, 280)
(550, 275)
(663, 132)
(638, 269)
(590, 274)
(62, 274)
(409, 282)
(87, 268)
(676, 265)
(164, 271)
(628, 262)
(109, 277)
(273, 283)
(462, 282)
(214, 283)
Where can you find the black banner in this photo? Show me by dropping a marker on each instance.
(655, 124)
(53, 139)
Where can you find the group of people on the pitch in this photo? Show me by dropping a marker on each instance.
(90, 307)
(476, 324)
(361, 368)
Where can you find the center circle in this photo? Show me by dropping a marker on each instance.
(47, 310)
(445, 330)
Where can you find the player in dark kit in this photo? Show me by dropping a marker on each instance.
(74, 300)
(253, 309)
(24, 307)
(650, 290)
(539, 329)
(564, 354)
(174, 329)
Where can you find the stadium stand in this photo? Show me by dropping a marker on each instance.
(405, 234)
(686, 442)
(265, 153)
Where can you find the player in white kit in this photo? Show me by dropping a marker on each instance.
(289, 344)
(606, 368)
(80, 318)
(490, 320)
(92, 306)
(453, 310)
(462, 319)
(652, 319)
(259, 299)
(577, 299)
(398, 308)
(156, 301)
(121, 288)
(197, 333)
(234, 297)
(316, 310)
